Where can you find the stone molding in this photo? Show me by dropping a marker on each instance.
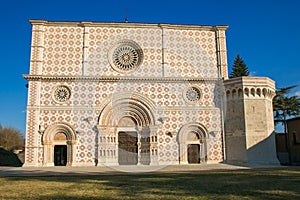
(251, 81)
(250, 87)
(118, 106)
(97, 107)
(119, 79)
(128, 25)
(194, 127)
(183, 142)
(63, 127)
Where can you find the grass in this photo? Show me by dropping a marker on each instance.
(241, 184)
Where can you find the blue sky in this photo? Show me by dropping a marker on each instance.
(266, 33)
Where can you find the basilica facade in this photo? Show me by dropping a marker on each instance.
(104, 93)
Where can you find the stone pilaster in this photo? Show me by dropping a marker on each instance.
(221, 51)
(153, 145)
(37, 47)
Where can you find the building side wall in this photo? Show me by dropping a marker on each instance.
(294, 140)
(235, 127)
(257, 126)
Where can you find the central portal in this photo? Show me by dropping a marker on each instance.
(128, 148)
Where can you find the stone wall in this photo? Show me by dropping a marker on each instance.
(249, 125)
(77, 72)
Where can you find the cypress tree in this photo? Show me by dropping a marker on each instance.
(239, 68)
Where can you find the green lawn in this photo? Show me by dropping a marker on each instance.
(242, 184)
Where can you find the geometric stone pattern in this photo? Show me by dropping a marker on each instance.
(186, 53)
(86, 77)
(62, 53)
(191, 53)
(164, 95)
(60, 50)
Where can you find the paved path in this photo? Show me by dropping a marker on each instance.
(52, 171)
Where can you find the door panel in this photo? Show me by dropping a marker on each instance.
(193, 153)
(128, 149)
(60, 155)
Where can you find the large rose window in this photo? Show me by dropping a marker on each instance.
(125, 56)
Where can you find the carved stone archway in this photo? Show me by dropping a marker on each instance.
(192, 134)
(128, 112)
(49, 140)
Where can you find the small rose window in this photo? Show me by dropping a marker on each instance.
(192, 94)
(61, 94)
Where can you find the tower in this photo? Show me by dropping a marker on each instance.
(249, 126)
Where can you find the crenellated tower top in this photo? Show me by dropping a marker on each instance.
(250, 88)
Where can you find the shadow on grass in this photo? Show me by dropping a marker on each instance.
(242, 184)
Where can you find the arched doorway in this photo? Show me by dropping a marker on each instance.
(60, 149)
(130, 119)
(59, 142)
(192, 144)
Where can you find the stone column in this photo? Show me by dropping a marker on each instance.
(48, 154)
(71, 152)
(183, 153)
(221, 51)
(102, 145)
(153, 145)
(202, 150)
(139, 144)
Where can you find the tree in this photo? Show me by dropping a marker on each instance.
(285, 106)
(10, 138)
(239, 68)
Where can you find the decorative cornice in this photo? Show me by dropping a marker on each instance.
(250, 81)
(118, 79)
(128, 25)
(250, 87)
(98, 107)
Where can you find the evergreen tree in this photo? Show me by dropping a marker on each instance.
(239, 68)
(285, 106)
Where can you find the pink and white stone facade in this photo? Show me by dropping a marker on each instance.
(89, 81)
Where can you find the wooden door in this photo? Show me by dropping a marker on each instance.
(128, 149)
(193, 153)
(60, 155)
